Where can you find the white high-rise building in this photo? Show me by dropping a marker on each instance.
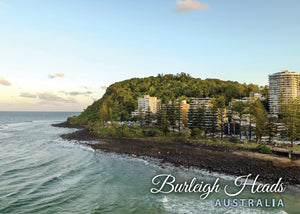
(147, 103)
(286, 83)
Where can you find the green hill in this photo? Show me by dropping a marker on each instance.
(121, 98)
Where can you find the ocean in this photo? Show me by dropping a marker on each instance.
(42, 173)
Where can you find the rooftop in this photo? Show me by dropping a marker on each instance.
(284, 72)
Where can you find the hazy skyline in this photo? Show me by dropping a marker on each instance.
(61, 55)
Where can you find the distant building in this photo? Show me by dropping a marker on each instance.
(184, 112)
(285, 83)
(244, 100)
(258, 95)
(175, 105)
(200, 102)
(219, 116)
(135, 113)
(147, 103)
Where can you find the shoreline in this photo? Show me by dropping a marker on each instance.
(213, 158)
(67, 125)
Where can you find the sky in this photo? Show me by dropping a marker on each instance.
(61, 55)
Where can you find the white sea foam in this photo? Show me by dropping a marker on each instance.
(61, 185)
(164, 199)
(5, 135)
(3, 126)
(179, 170)
(72, 144)
(169, 167)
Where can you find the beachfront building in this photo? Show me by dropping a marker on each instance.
(210, 114)
(145, 104)
(184, 112)
(283, 84)
(217, 115)
(177, 111)
(200, 102)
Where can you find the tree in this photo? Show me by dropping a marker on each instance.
(110, 114)
(164, 123)
(238, 108)
(148, 117)
(124, 116)
(171, 114)
(124, 130)
(212, 118)
(290, 114)
(200, 119)
(221, 105)
(260, 117)
(103, 114)
(230, 124)
(141, 116)
(179, 114)
(196, 132)
(174, 113)
(191, 119)
(196, 119)
(271, 128)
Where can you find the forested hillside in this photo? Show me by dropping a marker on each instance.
(121, 98)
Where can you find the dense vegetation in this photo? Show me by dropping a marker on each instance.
(135, 131)
(121, 98)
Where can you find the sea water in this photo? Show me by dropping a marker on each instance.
(42, 173)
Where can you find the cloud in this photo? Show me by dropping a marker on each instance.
(60, 74)
(27, 95)
(3, 81)
(56, 75)
(75, 93)
(185, 6)
(104, 87)
(3, 4)
(49, 97)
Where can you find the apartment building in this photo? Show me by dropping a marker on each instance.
(147, 103)
(184, 112)
(200, 102)
(286, 83)
(210, 114)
